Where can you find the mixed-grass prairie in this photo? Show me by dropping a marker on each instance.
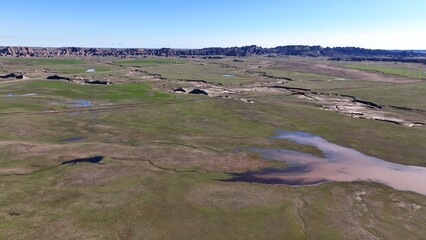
(165, 153)
(405, 72)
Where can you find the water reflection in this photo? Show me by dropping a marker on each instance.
(81, 103)
(96, 159)
(339, 164)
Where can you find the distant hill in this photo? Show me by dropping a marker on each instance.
(335, 53)
(420, 51)
(414, 51)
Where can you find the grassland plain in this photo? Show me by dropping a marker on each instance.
(405, 72)
(43, 61)
(209, 71)
(166, 153)
(411, 95)
(150, 61)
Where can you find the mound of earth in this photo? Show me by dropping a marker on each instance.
(13, 75)
(179, 89)
(56, 77)
(198, 91)
(100, 82)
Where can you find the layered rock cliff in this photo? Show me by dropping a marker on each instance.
(337, 53)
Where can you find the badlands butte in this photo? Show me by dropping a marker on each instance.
(337, 53)
(305, 142)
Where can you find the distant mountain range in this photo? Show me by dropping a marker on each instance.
(414, 51)
(335, 53)
(420, 51)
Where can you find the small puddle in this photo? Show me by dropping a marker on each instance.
(72, 139)
(21, 95)
(91, 70)
(96, 159)
(81, 103)
(340, 164)
(228, 75)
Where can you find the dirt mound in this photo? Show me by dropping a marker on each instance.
(198, 91)
(99, 82)
(13, 75)
(56, 77)
(179, 89)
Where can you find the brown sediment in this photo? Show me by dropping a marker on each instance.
(341, 164)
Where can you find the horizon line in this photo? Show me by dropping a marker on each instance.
(177, 48)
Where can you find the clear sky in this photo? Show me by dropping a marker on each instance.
(384, 24)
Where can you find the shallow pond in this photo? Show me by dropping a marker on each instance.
(339, 164)
(96, 159)
(72, 139)
(81, 103)
(21, 95)
(228, 75)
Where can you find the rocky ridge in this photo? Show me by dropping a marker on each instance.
(336, 53)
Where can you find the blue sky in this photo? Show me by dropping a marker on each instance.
(385, 24)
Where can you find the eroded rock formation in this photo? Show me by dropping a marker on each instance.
(336, 53)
